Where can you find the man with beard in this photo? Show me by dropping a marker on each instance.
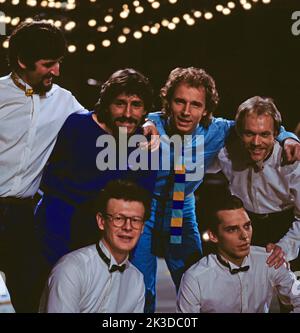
(32, 111)
(74, 175)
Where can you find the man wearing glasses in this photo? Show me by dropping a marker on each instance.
(99, 278)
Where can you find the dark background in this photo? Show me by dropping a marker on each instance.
(249, 52)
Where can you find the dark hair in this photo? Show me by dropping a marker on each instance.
(297, 130)
(194, 77)
(32, 41)
(225, 201)
(127, 190)
(127, 81)
(258, 105)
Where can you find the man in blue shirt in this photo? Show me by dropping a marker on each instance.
(189, 99)
(79, 166)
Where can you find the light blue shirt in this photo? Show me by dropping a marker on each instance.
(214, 137)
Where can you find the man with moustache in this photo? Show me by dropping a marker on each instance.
(235, 278)
(270, 191)
(64, 217)
(32, 111)
(189, 99)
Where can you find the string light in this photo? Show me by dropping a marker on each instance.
(5, 44)
(122, 39)
(154, 30)
(108, 18)
(111, 24)
(71, 48)
(58, 24)
(15, 21)
(247, 6)
(102, 28)
(208, 15)
(137, 34)
(171, 26)
(190, 21)
(106, 43)
(126, 30)
(155, 4)
(146, 28)
(91, 47)
(70, 25)
(197, 14)
(92, 22)
(165, 23)
(226, 11)
(139, 10)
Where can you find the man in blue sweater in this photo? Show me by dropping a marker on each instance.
(85, 158)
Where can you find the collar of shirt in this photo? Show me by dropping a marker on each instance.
(111, 257)
(14, 76)
(245, 262)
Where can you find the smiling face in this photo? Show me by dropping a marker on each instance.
(233, 235)
(120, 240)
(187, 107)
(41, 78)
(126, 111)
(258, 135)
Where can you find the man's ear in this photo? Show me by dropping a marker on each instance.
(100, 221)
(142, 230)
(21, 64)
(212, 237)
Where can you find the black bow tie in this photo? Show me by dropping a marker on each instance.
(113, 268)
(120, 268)
(234, 270)
(241, 269)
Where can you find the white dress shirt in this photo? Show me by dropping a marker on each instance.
(81, 283)
(208, 286)
(5, 302)
(267, 187)
(28, 129)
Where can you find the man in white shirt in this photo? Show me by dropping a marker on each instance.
(99, 278)
(236, 278)
(32, 111)
(270, 191)
(5, 301)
